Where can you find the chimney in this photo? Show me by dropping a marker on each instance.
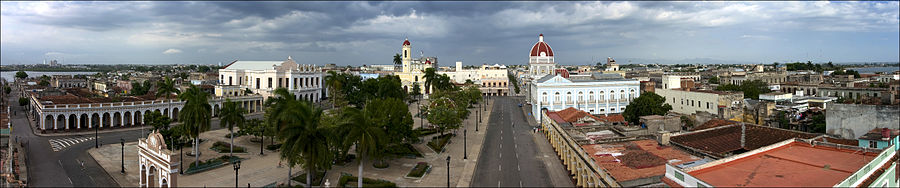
(743, 134)
(885, 133)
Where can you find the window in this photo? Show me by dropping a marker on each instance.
(229, 80)
(279, 82)
(557, 96)
(270, 82)
(873, 144)
(257, 83)
(568, 96)
(679, 176)
(295, 83)
(707, 105)
(545, 97)
(602, 109)
(591, 96)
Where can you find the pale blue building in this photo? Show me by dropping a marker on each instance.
(596, 93)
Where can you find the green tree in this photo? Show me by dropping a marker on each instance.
(361, 132)
(648, 103)
(45, 77)
(514, 82)
(232, 115)
(392, 115)
(429, 77)
(23, 101)
(304, 140)
(44, 83)
(196, 115)
(817, 125)
(415, 90)
(397, 59)
(335, 83)
(714, 80)
(21, 75)
(159, 123)
(7, 89)
(443, 113)
(751, 89)
(165, 88)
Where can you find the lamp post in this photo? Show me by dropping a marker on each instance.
(237, 166)
(123, 154)
(96, 141)
(448, 171)
(465, 146)
(181, 161)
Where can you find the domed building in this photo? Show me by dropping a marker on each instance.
(540, 59)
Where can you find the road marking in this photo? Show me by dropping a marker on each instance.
(517, 155)
(518, 167)
(498, 183)
(70, 180)
(499, 167)
(516, 146)
(60, 163)
(501, 146)
(520, 183)
(62, 143)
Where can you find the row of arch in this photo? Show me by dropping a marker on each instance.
(149, 177)
(101, 119)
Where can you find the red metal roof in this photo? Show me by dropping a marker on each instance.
(406, 42)
(541, 46)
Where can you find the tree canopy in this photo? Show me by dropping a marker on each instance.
(648, 103)
(21, 75)
(751, 88)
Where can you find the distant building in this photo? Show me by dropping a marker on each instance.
(598, 94)
(413, 72)
(878, 138)
(67, 81)
(263, 77)
(722, 103)
(540, 59)
(492, 79)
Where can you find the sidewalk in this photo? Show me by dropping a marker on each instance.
(559, 177)
(461, 170)
(257, 170)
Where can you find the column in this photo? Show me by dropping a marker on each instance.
(66, 121)
(89, 119)
(122, 119)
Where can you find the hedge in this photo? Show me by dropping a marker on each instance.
(439, 142)
(419, 171)
(224, 147)
(367, 182)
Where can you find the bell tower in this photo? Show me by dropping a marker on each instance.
(407, 48)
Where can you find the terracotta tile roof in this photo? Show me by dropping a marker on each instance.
(722, 140)
(876, 134)
(713, 123)
(571, 114)
(796, 164)
(635, 159)
(611, 118)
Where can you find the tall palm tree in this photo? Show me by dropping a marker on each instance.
(165, 88)
(281, 111)
(397, 59)
(195, 115)
(365, 135)
(334, 81)
(306, 141)
(232, 115)
(430, 76)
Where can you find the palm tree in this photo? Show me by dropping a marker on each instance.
(231, 116)
(195, 115)
(366, 136)
(334, 82)
(430, 75)
(165, 88)
(397, 59)
(280, 112)
(306, 139)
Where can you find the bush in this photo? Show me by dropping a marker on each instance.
(210, 164)
(438, 142)
(403, 150)
(346, 178)
(419, 171)
(426, 132)
(380, 164)
(224, 147)
(273, 147)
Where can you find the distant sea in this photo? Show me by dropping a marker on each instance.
(870, 70)
(10, 75)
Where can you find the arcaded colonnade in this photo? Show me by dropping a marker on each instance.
(579, 164)
(121, 114)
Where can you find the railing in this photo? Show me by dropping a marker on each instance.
(865, 172)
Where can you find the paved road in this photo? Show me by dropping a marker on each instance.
(63, 168)
(509, 157)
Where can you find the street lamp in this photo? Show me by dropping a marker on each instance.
(237, 166)
(448, 171)
(96, 141)
(465, 146)
(123, 154)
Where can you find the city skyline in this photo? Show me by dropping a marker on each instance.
(357, 33)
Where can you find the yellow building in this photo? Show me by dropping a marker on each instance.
(413, 72)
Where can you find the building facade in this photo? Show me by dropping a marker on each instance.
(263, 77)
(491, 79)
(413, 71)
(596, 96)
(725, 104)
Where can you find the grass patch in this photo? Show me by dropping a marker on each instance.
(426, 132)
(439, 142)
(273, 147)
(419, 171)
(367, 182)
(317, 180)
(403, 150)
(225, 147)
(210, 164)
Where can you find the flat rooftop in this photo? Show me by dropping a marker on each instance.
(796, 164)
(638, 159)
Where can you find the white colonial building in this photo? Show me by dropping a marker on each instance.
(263, 77)
(597, 94)
(492, 79)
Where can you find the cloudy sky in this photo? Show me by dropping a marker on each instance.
(357, 33)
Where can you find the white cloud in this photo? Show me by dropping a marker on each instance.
(172, 51)
(412, 24)
(757, 37)
(54, 54)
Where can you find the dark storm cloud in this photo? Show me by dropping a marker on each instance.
(364, 32)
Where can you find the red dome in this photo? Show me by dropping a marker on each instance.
(541, 46)
(406, 42)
